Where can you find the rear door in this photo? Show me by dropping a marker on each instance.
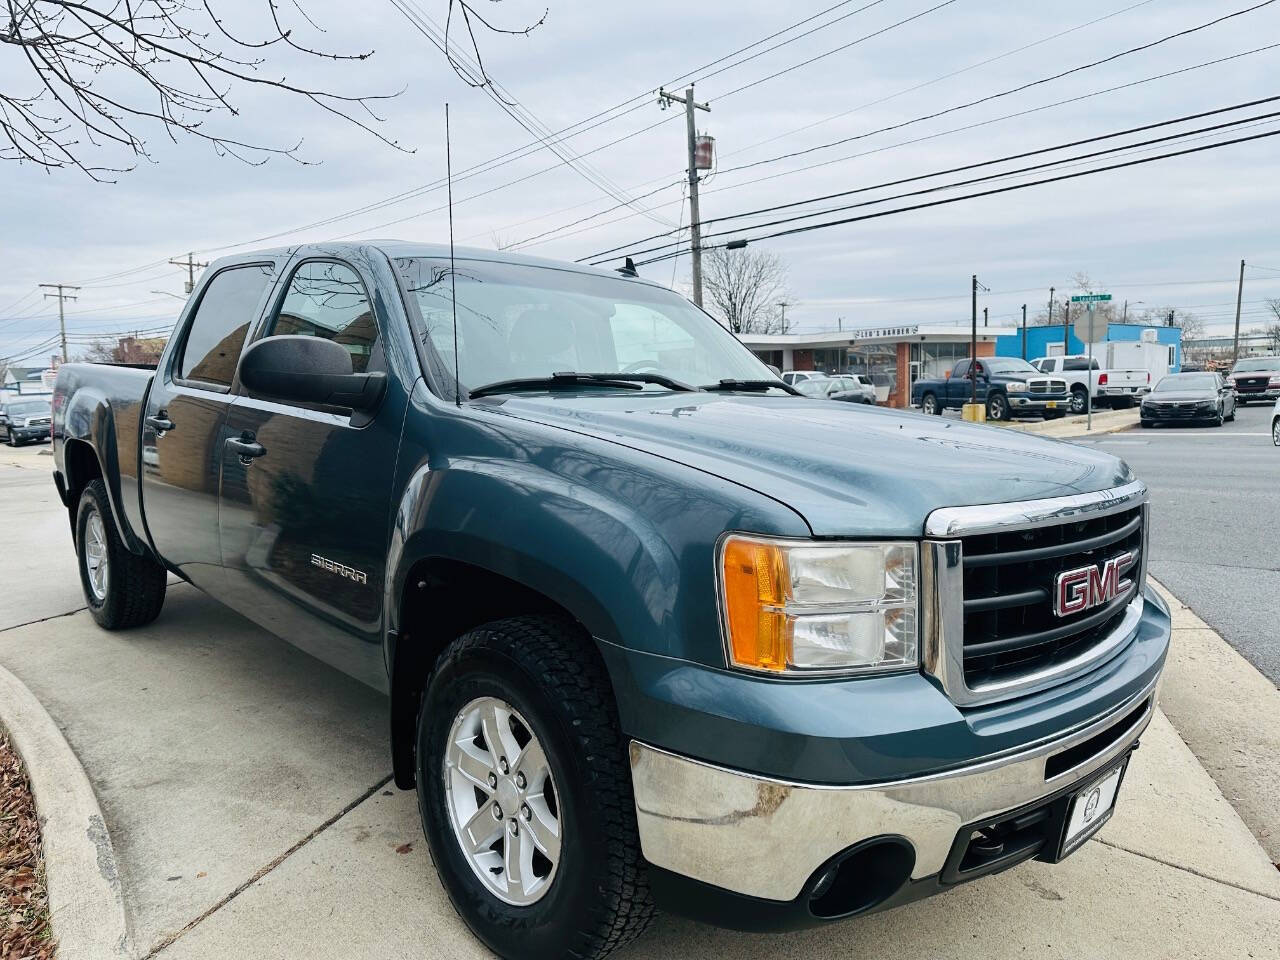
(182, 430)
(305, 524)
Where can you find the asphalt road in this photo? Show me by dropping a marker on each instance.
(1215, 529)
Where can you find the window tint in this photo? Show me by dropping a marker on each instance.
(328, 300)
(228, 307)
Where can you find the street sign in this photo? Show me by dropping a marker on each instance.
(1090, 328)
(1091, 298)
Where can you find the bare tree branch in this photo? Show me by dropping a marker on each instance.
(745, 288)
(108, 71)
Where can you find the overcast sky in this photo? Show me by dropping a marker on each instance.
(1167, 233)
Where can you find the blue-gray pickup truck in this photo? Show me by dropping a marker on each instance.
(655, 630)
(1006, 386)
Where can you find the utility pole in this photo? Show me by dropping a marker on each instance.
(782, 306)
(1066, 328)
(1024, 331)
(1235, 344)
(192, 266)
(60, 291)
(1051, 289)
(984, 316)
(695, 221)
(973, 347)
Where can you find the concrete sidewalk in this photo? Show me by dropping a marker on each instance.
(1104, 421)
(245, 788)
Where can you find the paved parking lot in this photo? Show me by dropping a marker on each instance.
(1215, 494)
(245, 788)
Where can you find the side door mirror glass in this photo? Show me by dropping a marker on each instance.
(301, 369)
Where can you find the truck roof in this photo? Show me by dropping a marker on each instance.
(395, 249)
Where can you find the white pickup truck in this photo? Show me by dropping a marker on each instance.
(1111, 387)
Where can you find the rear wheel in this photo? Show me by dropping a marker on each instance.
(929, 404)
(121, 588)
(525, 793)
(997, 407)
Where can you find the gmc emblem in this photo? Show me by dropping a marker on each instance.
(1075, 591)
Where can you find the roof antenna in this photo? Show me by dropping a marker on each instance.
(453, 273)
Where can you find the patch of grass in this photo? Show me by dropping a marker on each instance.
(25, 933)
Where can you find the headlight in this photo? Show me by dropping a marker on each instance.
(1205, 404)
(802, 607)
(1015, 387)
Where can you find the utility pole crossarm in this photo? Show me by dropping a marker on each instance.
(191, 266)
(695, 220)
(60, 292)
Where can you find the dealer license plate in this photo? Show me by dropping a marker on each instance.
(1051, 405)
(1091, 807)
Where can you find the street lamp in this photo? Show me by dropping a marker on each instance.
(166, 293)
(1125, 318)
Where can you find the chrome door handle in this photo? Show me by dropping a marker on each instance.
(160, 423)
(246, 448)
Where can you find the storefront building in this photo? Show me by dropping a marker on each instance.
(893, 357)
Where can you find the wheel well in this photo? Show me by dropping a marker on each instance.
(82, 468)
(1077, 388)
(442, 600)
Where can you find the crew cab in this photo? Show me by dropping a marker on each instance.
(654, 629)
(1255, 378)
(1111, 387)
(1005, 385)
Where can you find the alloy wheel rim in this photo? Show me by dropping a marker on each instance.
(503, 805)
(1275, 433)
(97, 563)
(928, 404)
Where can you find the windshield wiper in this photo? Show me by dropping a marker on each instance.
(751, 385)
(557, 381)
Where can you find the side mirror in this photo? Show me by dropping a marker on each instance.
(308, 370)
(776, 371)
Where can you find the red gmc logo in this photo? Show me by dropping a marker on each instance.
(1075, 591)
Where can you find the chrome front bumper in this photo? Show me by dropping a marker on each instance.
(765, 838)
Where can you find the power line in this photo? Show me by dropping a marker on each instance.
(960, 129)
(594, 258)
(1004, 93)
(984, 193)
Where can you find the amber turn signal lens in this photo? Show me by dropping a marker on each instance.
(754, 592)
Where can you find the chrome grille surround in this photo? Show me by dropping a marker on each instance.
(942, 561)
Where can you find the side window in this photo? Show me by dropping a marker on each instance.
(217, 331)
(327, 299)
(961, 370)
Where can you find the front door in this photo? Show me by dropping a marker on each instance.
(186, 411)
(305, 518)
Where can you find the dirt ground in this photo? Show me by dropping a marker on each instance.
(24, 903)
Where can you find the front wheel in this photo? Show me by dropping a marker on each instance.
(525, 793)
(121, 588)
(1079, 401)
(1275, 431)
(10, 439)
(997, 407)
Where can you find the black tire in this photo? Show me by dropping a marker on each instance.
(1122, 403)
(1079, 401)
(929, 404)
(998, 407)
(1275, 432)
(1054, 414)
(134, 586)
(1232, 417)
(9, 438)
(550, 672)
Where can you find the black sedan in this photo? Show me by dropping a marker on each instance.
(1189, 397)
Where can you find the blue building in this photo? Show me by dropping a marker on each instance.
(1047, 342)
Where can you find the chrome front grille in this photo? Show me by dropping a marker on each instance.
(1047, 386)
(990, 627)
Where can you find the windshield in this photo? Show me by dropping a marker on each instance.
(1187, 381)
(28, 409)
(524, 322)
(1256, 364)
(1008, 365)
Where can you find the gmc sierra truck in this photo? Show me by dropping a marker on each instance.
(655, 630)
(1006, 386)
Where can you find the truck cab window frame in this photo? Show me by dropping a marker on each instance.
(176, 368)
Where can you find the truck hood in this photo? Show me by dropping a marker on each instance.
(848, 470)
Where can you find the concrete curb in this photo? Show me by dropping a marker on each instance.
(1109, 421)
(1229, 715)
(85, 900)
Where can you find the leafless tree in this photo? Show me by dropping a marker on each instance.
(104, 74)
(745, 287)
(1191, 324)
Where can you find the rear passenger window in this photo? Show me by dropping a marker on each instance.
(327, 299)
(228, 306)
